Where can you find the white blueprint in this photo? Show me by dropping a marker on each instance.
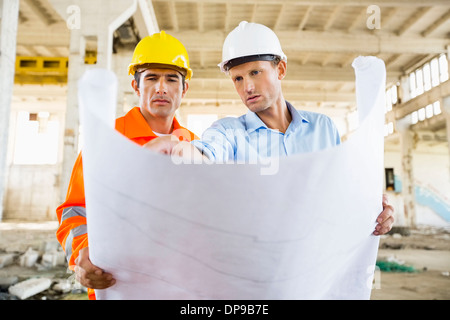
(227, 231)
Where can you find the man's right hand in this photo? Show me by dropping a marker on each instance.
(89, 275)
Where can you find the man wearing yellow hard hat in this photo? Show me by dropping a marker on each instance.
(160, 66)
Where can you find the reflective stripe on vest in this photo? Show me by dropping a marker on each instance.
(73, 212)
(75, 232)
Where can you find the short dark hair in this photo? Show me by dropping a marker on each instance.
(137, 77)
(257, 57)
(276, 61)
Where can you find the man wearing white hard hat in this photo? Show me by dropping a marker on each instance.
(255, 62)
(253, 58)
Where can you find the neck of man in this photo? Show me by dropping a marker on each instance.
(162, 125)
(277, 116)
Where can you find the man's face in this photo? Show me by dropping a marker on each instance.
(160, 92)
(258, 83)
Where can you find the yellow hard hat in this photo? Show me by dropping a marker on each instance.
(161, 49)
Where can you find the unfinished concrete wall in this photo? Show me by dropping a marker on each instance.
(431, 186)
(34, 153)
(9, 12)
(31, 193)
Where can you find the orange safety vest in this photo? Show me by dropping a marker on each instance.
(72, 231)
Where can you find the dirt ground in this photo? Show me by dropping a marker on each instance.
(425, 251)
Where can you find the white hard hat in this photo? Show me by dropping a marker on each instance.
(249, 42)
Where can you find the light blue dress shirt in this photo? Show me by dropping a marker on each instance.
(247, 139)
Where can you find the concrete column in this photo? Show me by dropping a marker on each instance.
(126, 98)
(446, 110)
(97, 22)
(445, 103)
(146, 24)
(9, 14)
(403, 91)
(407, 142)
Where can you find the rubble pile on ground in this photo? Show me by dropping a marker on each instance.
(39, 272)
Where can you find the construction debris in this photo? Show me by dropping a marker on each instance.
(393, 266)
(29, 258)
(38, 272)
(6, 259)
(30, 287)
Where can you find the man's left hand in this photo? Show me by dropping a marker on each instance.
(385, 219)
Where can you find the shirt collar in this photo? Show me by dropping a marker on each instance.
(298, 118)
(254, 123)
(137, 126)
